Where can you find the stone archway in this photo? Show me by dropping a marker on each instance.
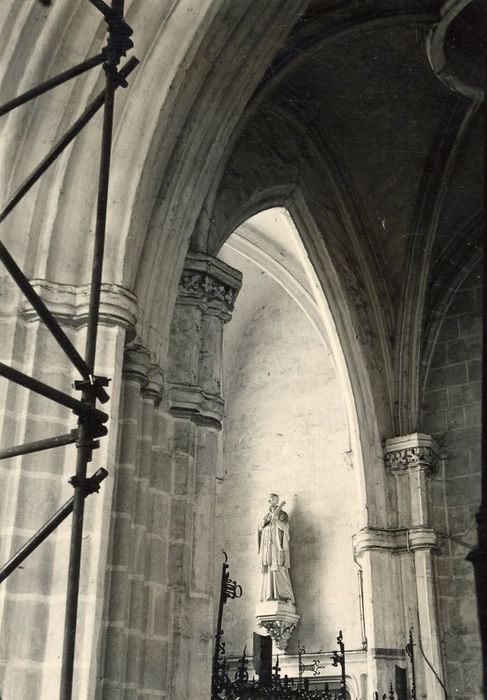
(395, 541)
(147, 238)
(184, 146)
(286, 429)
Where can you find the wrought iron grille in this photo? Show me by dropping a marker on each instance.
(237, 684)
(244, 688)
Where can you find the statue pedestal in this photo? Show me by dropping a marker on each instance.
(279, 619)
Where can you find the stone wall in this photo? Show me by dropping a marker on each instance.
(451, 413)
(285, 431)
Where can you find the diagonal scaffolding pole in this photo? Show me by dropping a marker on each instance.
(92, 486)
(16, 273)
(52, 83)
(46, 316)
(59, 147)
(80, 408)
(39, 445)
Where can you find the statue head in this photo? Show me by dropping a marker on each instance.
(273, 500)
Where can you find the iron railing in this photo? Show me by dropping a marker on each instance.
(236, 684)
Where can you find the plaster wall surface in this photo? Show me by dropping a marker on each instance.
(451, 412)
(285, 431)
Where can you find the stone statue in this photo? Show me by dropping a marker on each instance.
(273, 539)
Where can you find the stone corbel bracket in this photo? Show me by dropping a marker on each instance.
(415, 451)
(279, 630)
(279, 619)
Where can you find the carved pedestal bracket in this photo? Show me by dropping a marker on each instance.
(279, 619)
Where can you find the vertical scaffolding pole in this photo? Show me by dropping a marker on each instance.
(85, 426)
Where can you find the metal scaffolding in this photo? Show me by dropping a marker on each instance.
(91, 420)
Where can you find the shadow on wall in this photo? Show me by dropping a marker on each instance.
(307, 561)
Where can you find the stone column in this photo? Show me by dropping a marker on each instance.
(398, 571)
(413, 460)
(135, 646)
(376, 551)
(136, 620)
(32, 600)
(207, 292)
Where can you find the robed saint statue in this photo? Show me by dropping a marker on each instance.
(273, 540)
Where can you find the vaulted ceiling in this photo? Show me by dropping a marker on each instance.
(358, 74)
(368, 106)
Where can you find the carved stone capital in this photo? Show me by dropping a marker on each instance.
(70, 304)
(279, 619)
(415, 451)
(210, 284)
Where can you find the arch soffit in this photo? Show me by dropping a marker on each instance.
(367, 412)
(375, 16)
(343, 219)
(62, 43)
(249, 242)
